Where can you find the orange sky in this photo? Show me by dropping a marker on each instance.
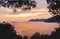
(7, 15)
(20, 19)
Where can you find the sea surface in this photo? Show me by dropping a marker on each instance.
(29, 28)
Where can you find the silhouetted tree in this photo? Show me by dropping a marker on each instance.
(54, 6)
(7, 31)
(36, 36)
(25, 37)
(12, 2)
(56, 34)
(45, 37)
(19, 37)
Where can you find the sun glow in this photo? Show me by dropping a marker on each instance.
(25, 15)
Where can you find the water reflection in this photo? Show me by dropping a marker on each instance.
(28, 28)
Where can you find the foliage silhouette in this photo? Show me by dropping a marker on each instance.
(36, 36)
(25, 37)
(19, 37)
(17, 3)
(45, 37)
(12, 2)
(54, 35)
(54, 6)
(7, 31)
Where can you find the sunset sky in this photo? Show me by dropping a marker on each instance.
(7, 15)
(41, 3)
(21, 18)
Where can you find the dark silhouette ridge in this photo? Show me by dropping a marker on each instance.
(37, 20)
(53, 19)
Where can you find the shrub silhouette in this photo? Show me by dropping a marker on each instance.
(36, 36)
(19, 37)
(56, 34)
(25, 37)
(7, 31)
(45, 37)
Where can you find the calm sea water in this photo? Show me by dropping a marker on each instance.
(28, 28)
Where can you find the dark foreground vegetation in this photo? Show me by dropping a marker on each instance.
(54, 9)
(17, 3)
(7, 32)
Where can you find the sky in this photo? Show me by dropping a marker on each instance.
(41, 3)
(7, 15)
